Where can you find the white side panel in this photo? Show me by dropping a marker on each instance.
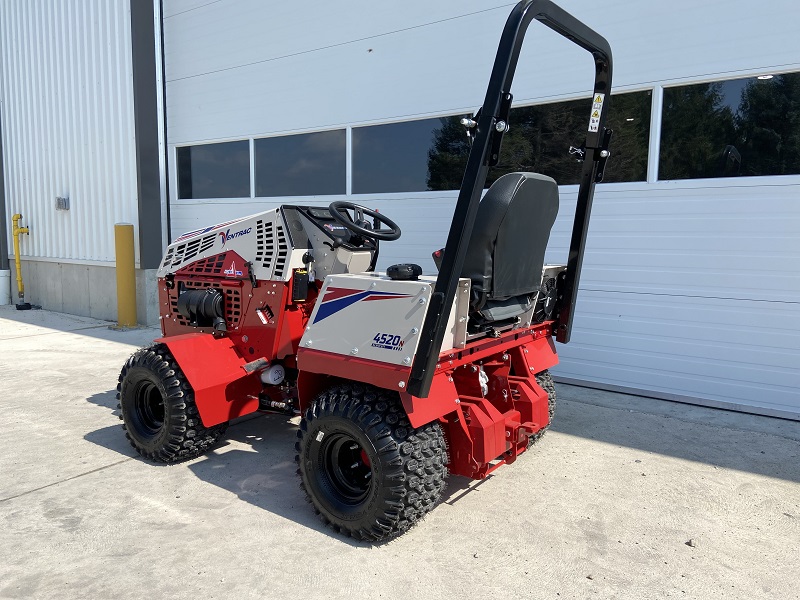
(236, 69)
(369, 316)
(373, 317)
(67, 120)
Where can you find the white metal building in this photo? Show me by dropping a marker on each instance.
(691, 282)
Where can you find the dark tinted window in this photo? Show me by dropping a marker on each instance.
(301, 165)
(431, 154)
(740, 127)
(393, 158)
(214, 171)
(539, 141)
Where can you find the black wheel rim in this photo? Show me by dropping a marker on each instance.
(347, 468)
(148, 409)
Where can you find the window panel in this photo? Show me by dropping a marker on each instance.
(309, 164)
(540, 137)
(431, 154)
(394, 157)
(214, 171)
(739, 127)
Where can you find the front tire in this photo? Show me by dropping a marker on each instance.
(157, 408)
(367, 472)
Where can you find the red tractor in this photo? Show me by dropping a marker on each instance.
(400, 378)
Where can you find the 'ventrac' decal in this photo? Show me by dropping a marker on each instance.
(227, 236)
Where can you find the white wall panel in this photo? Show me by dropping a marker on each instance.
(66, 104)
(253, 68)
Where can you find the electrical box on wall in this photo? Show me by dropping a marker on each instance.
(62, 203)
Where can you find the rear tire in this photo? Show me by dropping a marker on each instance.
(157, 407)
(545, 381)
(367, 472)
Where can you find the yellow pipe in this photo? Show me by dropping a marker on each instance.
(126, 275)
(17, 231)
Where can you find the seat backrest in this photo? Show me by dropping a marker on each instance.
(506, 251)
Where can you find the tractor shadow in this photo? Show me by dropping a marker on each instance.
(111, 437)
(254, 460)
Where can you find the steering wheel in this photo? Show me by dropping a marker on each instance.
(361, 227)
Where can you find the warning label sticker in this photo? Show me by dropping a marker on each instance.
(597, 110)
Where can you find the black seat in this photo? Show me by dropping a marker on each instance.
(506, 250)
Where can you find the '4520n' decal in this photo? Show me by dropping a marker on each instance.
(387, 341)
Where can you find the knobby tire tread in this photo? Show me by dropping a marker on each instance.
(185, 436)
(414, 460)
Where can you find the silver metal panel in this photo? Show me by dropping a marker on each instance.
(67, 123)
(376, 318)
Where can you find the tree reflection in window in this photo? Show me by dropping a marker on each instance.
(740, 127)
(539, 141)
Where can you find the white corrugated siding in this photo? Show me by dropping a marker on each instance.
(67, 121)
(690, 290)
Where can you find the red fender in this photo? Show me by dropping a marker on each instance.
(223, 390)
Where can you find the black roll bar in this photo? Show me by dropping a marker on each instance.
(491, 124)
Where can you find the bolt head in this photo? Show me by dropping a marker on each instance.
(407, 360)
(401, 385)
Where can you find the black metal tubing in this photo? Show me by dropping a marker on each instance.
(469, 196)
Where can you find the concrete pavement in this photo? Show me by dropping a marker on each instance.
(604, 506)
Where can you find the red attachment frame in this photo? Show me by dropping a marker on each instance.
(483, 430)
(486, 430)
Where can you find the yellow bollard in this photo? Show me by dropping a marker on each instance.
(126, 275)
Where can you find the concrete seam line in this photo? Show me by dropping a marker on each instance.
(67, 479)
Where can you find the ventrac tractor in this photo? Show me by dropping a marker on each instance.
(400, 378)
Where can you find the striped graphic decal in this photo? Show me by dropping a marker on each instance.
(337, 299)
(189, 234)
